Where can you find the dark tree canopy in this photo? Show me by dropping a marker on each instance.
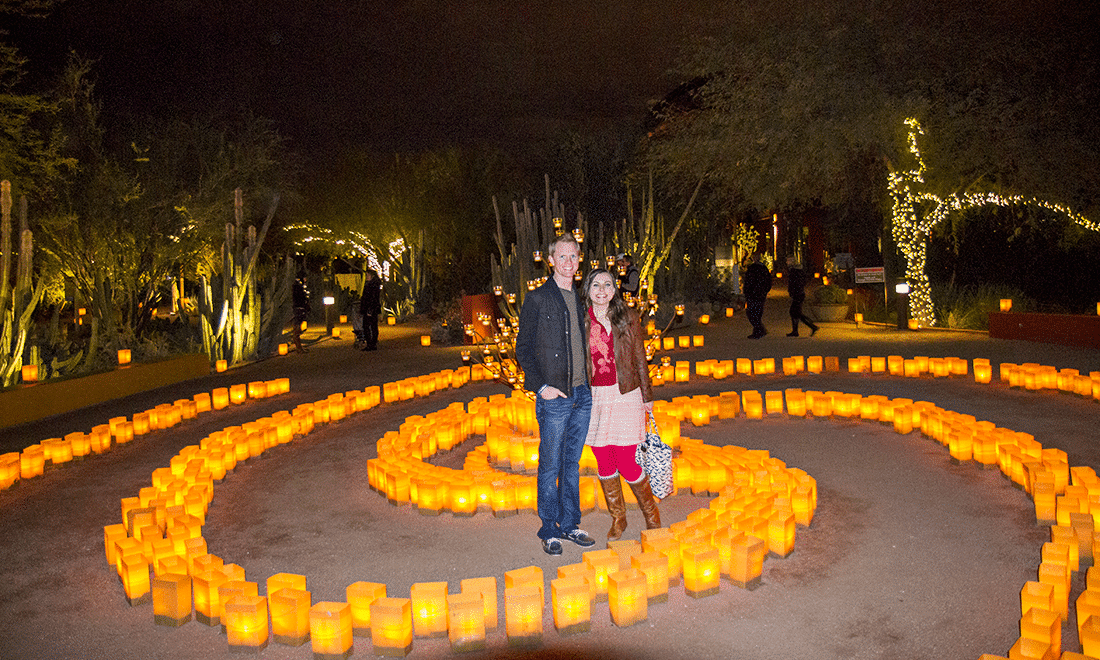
(795, 95)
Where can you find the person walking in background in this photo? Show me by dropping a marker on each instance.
(370, 305)
(552, 351)
(622, 397)
(758, 282)
(300, 301)
(629, 275)
(796, 288)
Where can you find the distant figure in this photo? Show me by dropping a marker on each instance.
(301, 309)
(758, 282)
(796, 287)
(371, 306)
(629, 275)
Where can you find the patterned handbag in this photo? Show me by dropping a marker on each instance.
(655, 457)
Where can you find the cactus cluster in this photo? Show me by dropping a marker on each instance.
(243, 322)
(19, 300)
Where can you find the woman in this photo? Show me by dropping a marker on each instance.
(621, 399)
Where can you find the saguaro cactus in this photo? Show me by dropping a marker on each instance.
(17, 303)
(241, 318)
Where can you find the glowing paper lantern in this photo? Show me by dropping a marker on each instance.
(123, 357)
(238, 393)
(135, 578)
(425, 340)
(683, 341)
(361, 595)
(171, 600)
(654, 566)
(245, 619)
(466, 622)
(1006, 304)
(702, 570)
(603, 563)
(429, 608)
(1042, 626)
(221, 365)
(697, 341)
(571, 599)
(626, 597)
(207, 602)
(330, 630)
(486, 587)
(283, 349)
(290, 615)
(1036, 594)
(747, 561)
(219, 398)
(391, 626)
(814, 364)
(523, 615)
(390, 320)
(29, 373)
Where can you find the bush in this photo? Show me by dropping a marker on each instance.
(968, 307)
(830, 294)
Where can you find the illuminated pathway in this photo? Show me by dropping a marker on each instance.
(909, 555)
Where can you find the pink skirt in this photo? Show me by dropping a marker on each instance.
(617, 419)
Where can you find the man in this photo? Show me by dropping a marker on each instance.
(552, 351)
(370, 305)
(796, 288)
(629, 276)
(758, 282)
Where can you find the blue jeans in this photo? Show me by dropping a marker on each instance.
(563, 426)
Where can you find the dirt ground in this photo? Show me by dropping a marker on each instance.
(909, 556)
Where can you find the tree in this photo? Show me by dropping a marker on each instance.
(790, 100)
(30, 154)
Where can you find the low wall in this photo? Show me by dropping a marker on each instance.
(29, 403)
(1064, 329)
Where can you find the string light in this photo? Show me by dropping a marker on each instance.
(915, 213)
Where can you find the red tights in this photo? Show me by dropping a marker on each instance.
(613, 459)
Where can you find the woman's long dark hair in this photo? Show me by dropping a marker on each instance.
(616, 309)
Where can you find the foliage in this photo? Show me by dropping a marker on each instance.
(31, 155)
(133, 221)
(795, 104)
(968, 307)
(436, 204)
(745, 241)
(830, 294)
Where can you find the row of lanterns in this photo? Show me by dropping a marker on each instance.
(1029, 376)
(161, 532)
(161, 557)
(52, 452)
(744, 492)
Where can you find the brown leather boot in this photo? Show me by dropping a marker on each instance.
(646, 502)
(616, 506)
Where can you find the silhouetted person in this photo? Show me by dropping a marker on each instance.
(757, 284)
(796, 287)
(371, 306)
(301, 309)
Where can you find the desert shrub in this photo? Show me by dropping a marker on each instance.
(830, 294)
(968, 307)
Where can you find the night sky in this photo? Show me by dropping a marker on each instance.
(382, 75)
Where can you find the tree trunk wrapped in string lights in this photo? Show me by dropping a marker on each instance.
(917, 212)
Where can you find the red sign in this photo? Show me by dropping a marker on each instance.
(864, 275)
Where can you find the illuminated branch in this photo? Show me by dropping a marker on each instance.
(916, 212)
